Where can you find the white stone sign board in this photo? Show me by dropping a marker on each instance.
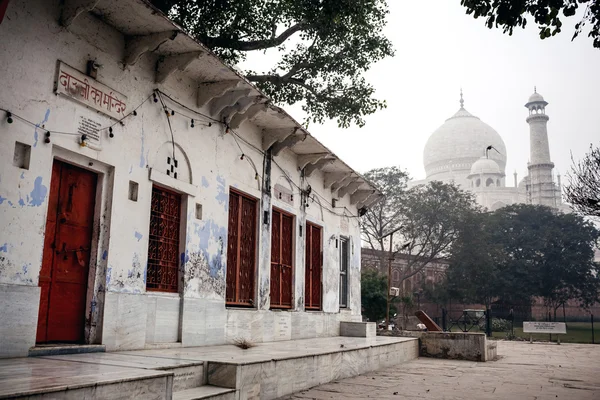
(89, 92)
(544, 327)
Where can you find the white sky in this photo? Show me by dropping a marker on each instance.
(440, 49)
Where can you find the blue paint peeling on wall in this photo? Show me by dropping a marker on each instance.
(205, 182)
(218, 234)
(22, 175)
(21, 201)
(108, 276)
(138, 236)
(35, 133)
(4, 248)
(222, 194)
(104, 255)
(38, 194)
(2, 199)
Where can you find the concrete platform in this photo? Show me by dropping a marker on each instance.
(267, 371)
(523, 372)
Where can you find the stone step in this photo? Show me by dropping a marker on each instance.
(282, 370)
(60, 349)
(186, 373)
(205, 392)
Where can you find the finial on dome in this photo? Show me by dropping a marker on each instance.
(535, 89)
(462, 102)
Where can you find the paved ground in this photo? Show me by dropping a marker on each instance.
(524, 371)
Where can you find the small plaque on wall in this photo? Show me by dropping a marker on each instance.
(91, 130)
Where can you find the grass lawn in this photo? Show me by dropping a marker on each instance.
(577, 332)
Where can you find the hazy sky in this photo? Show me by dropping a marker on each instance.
(440, 49)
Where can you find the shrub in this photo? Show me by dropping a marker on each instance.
(500, 325)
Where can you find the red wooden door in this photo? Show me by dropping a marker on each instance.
(241, 250)
(282, 240)
(313, 267)
(65, 263)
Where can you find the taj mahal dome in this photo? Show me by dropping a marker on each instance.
(466, 151)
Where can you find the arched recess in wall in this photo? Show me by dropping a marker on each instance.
(497, 205)
(489, 182)
(478, 182)
(395, 275)
(408, 285)
(162, 160)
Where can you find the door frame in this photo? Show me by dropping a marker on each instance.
(98, 263)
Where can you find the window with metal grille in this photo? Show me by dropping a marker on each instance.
(241, 250)
(163, 246)
(344, 261)
(313, 266)
(282, 245)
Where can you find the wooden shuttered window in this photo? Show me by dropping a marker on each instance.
(344, 261)
(282, 239)
(241, 250)
(314, 263)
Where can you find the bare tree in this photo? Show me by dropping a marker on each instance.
(583, 191)
(426, 219)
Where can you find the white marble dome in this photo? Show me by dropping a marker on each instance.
(536, 97)
(456, 145)
(485, 166)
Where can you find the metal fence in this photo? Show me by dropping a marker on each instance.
(506, 321)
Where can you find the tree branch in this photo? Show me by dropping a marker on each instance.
(241, 45)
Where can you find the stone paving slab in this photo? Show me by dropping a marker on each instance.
(524, 372)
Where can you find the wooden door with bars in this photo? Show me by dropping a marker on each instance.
(241, 250)
(313, 267)
(282, 254)
(66, 256)
(163, 245)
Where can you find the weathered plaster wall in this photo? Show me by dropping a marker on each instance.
(120, 313)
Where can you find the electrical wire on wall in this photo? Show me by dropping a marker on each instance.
(204, 120)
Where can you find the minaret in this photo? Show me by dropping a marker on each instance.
(541, 185)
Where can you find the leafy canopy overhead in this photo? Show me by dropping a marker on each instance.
(547, 14)
(325, 48)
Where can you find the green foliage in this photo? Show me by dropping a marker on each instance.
(325, 47)
(509, 14)
(500, 325)
(373, 292)
(522, 251)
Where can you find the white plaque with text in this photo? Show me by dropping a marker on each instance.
(91, 130)
(544, 327)
(91, 93)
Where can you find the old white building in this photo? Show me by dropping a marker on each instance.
(459, 152)
(151, 196)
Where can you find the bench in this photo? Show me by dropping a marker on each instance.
(557, 328)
